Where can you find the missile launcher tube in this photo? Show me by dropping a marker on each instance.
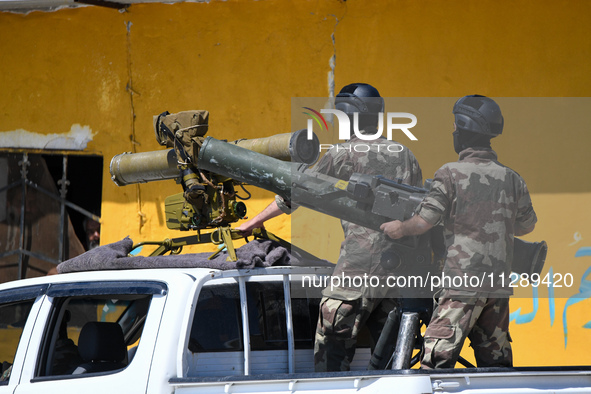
(287, 147)
(130, 168)
(246, 166)
(289, 180)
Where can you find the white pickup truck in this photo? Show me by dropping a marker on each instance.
(204, 331)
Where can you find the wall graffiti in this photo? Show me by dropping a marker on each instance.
(584, 292)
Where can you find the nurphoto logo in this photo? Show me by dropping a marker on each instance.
(344, 125)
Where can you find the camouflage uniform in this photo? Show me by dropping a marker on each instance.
(481, 203)
(345, 310)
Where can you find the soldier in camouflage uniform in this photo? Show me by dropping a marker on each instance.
(345, 310)
(482, 205)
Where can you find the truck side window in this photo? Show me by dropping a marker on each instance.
(218, 312)
(268, 328)
(88, 334)
(12, 321)
(217, 323)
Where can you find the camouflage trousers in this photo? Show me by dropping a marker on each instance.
(459, 315)
(339, 324)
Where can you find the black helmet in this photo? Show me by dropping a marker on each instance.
(363, 99)
(478, 114)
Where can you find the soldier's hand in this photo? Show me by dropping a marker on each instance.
(245, 229)
(393, 229)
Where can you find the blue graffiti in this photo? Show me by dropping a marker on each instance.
(526, 317)
(585, 251)
(551, 306)
(583, 294)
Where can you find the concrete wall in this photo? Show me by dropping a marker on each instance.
(109, 72)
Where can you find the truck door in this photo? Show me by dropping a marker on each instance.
(18, 310)
(98, 337)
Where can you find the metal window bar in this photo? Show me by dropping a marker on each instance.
(289, 325)
(245, 327)
(62, 231)
(288, 322)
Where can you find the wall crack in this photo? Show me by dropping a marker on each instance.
(132, 136)
(332, 61)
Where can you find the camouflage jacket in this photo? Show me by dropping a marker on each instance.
(364, 251)
(480, 202)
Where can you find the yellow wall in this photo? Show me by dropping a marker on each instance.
(244, 60)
